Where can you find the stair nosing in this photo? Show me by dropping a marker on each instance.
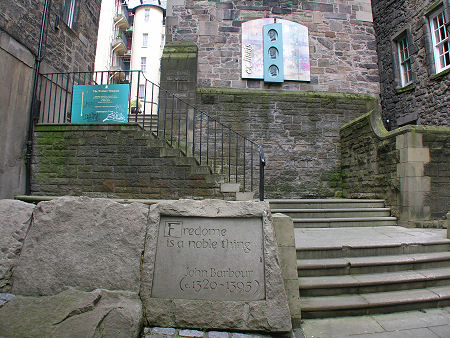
(343, 281)
(367, 302)
(318, 210)
(388, 260)
(343, 219)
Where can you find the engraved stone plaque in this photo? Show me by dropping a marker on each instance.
(209, 258)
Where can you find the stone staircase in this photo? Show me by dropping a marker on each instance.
(353, 260)
(332, 213)
(147, 121)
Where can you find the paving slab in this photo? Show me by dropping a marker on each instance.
(413, 333)
(430, 323)
(442, 331)
(413, 319)
(340, 327)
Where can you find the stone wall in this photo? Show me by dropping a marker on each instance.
(299, 133)
(408, 167)
(425, 101)
(341, 36)
(67, 49)
(117, 161)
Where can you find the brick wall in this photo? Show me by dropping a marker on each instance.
(408, 167)
(426, 99)
(299, 133)
(67, 49)
(341, 36)
(117, 161)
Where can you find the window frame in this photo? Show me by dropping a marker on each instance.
(403, 53)
(438, 59)
(141, 93)
(70, 13)
(143, 64)
(144, 40)
(147, 15)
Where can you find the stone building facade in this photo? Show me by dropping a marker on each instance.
(297, 123)
(70, 46)
(342, 42)
(414, 85)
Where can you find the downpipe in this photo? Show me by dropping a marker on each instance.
(34, 109)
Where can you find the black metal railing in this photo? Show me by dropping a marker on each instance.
(213, 144)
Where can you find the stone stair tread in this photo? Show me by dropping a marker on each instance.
(321, 282)
(344, 219)
(323, 210)
(371, 260)
(376, 299)
(325, 200)
(366, 237)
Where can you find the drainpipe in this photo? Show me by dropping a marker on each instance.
(34, 109)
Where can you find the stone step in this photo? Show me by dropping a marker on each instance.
(377, 302)
(325, 203)
(318, 243)
(377, 250)
(374, 264)
(335, 213)
(343, 222)
(376, 282)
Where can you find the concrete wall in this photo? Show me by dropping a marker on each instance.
(341, 36)
(15, 97)
(425, 101)
(408, 167)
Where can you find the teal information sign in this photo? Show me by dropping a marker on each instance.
(100, 103)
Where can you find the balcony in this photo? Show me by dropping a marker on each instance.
(122, 18)
(119, 44)
(120, 71)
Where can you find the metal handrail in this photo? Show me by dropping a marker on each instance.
(197, 134)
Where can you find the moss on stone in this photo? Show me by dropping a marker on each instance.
(265, 93)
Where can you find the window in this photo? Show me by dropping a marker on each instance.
(147, 15)
(404, 59)
(440, 40)
(144, 40)
(69, 14)
(143, 64)
(141, 92)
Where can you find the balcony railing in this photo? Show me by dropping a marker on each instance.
(122, 18)
(198, 135)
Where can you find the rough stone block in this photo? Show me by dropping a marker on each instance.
(284, 230)
(208, 28)
(15, 219)
(73, 313)
(230, 187)
(82, 242)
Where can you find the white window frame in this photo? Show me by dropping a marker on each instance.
(144, 40)
(143, 64)
(404, 60)
(440, 40)
(70, 10)
(141, 92)
(147, 15)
